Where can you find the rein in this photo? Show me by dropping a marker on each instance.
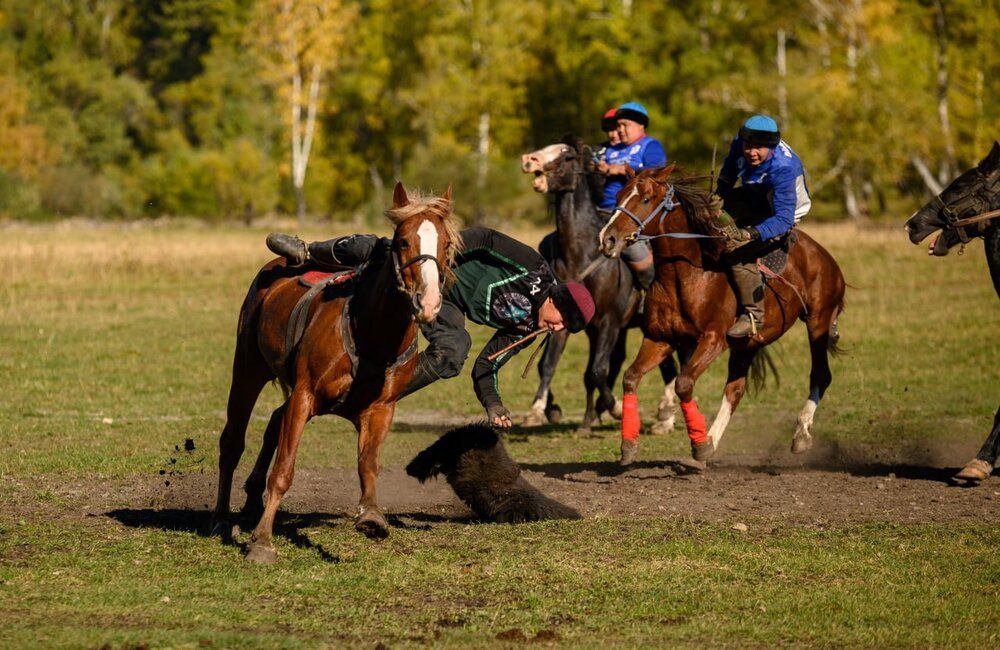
(662, 209)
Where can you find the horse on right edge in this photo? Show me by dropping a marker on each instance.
(968, 208)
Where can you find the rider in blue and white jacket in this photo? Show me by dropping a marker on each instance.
(770, 199)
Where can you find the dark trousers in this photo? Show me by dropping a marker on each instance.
(448, 343)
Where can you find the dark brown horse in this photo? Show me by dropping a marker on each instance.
(691, 303)
(561, 171)
(359, 379)
(968, 208)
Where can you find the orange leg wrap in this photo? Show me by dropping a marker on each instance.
(695, 421)
(630, 416)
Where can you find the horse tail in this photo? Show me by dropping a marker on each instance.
(760, 367)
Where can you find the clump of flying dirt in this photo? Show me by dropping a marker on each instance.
(182, 462)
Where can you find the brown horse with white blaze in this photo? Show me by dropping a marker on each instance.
(691, 304)
(359, 379)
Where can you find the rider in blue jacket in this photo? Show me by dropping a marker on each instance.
(638, 151)
(763, 185)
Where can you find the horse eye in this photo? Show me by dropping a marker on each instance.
(646, 200)
(403, 244)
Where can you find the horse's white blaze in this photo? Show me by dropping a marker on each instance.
(614, 215)
(536, 160)
(721, 422)
(431, 299)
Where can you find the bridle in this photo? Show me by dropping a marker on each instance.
(400, 267)
(975, 200)
(661, 210)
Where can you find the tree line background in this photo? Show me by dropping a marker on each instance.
(229, 109)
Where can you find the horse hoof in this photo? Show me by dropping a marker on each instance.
(261, 554)
(702, 451)
(662, 427)
(225, 531)
(533, 419)
(372, 524)
(974, 471)
(553, 414)
(583, 430)
(630, 452)
(802, 444)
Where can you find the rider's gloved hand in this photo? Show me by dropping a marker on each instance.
(499, 416)
(741, 235)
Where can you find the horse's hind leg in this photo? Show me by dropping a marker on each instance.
(736, 383)
(615, 368)
(607, 340)
(544, 404)
(819, 380)
(254, 486)
(298, 410)
(250, 374)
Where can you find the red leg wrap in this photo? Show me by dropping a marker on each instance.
(630, 416)
(695, 421)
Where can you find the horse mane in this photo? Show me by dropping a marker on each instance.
(695, 197)
(441, 207)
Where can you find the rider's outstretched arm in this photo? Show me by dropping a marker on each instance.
(485, 372)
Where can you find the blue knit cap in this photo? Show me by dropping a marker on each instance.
(760, 130)
(633, 111)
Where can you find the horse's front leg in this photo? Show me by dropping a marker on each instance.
(373, 426)
(651, 354)
(709, 346)
(541, 407)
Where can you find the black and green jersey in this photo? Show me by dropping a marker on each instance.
(499, 282)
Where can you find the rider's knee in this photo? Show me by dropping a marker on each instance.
(447, 359)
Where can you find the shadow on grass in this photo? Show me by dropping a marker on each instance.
(289, 525)
(610, 469)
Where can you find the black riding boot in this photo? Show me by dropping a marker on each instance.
(422, 376)
(290, 247)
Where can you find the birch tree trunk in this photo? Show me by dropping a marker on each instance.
(948, 165)
(782, 75)
(302, 137)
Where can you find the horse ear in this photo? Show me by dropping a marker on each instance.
(447, 194)
(992, 159)
(668, 170)
(629, 172)
(399, 197)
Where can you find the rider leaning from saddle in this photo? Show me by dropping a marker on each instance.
(499, 282)
(638, 151)
(770, 199)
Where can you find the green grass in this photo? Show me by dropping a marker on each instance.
(116, 346)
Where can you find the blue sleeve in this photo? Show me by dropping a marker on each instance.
(784, 205)
(654, 155)
(729, 171)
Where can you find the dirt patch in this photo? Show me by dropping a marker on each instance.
(812, 492)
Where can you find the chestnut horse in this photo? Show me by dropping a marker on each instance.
(691, 304)
(394, 291)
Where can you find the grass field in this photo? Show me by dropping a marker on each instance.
(116, 348)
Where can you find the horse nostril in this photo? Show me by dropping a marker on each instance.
(610, 240)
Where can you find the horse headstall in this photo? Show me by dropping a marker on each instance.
(976, 201)
(399, 268)
(662, 209)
